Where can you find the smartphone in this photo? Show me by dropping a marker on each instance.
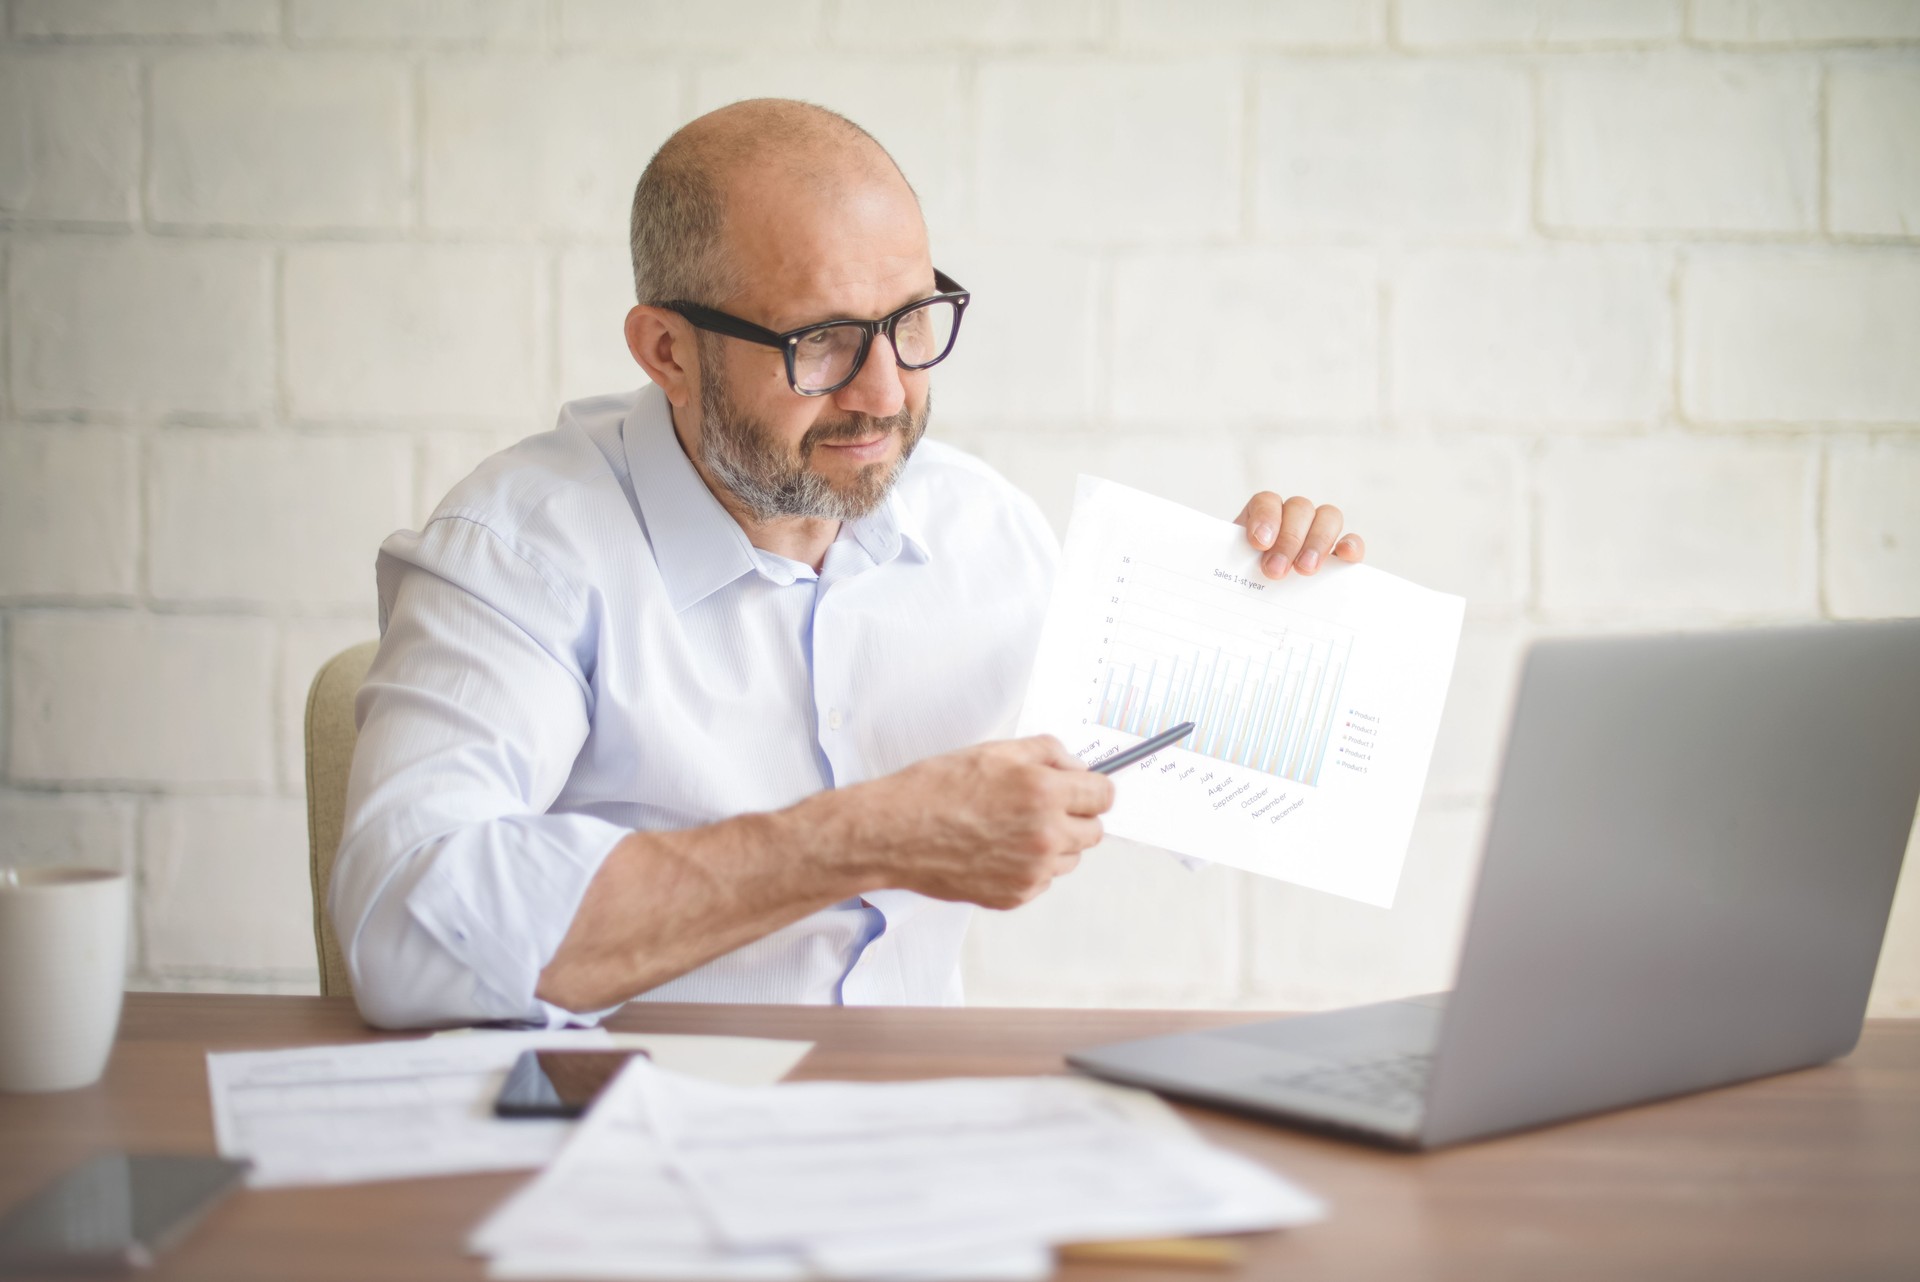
(558, 1083)
(115, 1211)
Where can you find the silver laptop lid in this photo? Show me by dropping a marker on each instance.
(1688, 871)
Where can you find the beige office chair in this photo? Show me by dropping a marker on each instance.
(330, 736)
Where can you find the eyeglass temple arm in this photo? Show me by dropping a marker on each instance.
(721, 323)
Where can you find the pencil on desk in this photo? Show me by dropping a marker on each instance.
(1197, 1252)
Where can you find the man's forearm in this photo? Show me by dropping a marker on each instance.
(992, 825)
(664, 903)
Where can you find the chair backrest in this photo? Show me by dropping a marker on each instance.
(330, 736)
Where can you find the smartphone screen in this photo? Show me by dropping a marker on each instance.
(558, 1083)
(113, 1211)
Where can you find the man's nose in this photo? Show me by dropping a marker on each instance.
(876, 389)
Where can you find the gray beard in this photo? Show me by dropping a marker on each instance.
(746, 457)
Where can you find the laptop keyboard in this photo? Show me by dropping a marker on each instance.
(1397, 1083)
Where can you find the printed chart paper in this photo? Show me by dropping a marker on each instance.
(1316, 699)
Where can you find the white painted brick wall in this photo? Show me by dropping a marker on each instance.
(933, 24)
(1029, 348)
(1288, 24)
(593, 294)
(1604, 313)
(139, 326)
(398, 331)
(1203, 469)
(1682, 143)
(70, 150)
(433, 22)
(1812, 22)
(1448, 512)
(1872, 543)
(577, 132)
(1239, 355)
(65, 830)
(102, 697)
(313, 141)
(1574, 336)
(1828, 337)
(225, 886)
(711, 28)
(69, 512)
(1473, 725)
(273, 519)
(1505, 24)
(1128, 917)
(1306, 949)
(1061, 148)
(1873, 156)
(1382, 146)
(1677, 527)
(156, 19)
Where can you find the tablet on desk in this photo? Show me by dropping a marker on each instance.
(113, 1212)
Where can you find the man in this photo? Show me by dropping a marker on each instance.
(697, 697)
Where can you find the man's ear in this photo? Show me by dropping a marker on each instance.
(663, 344)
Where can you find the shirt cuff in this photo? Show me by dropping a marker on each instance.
(501, 895)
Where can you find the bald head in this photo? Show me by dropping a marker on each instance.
(744, 164)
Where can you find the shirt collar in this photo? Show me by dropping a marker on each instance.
(697, 544)
(890, 530)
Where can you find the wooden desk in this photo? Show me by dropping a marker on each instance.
(1811, 1175)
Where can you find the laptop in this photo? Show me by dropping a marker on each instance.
(1685, 883)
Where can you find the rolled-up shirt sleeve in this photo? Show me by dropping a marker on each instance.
(454, 885)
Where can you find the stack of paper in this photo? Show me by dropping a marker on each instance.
(394, 1110)
(671, 1177)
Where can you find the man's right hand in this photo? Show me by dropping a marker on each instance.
(991, 825)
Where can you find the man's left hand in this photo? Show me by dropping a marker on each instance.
(1296, 535)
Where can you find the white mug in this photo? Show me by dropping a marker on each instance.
(63, 965)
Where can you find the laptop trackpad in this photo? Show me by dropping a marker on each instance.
(1356, 1034)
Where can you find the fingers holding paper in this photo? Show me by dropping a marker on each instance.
(1296, 534)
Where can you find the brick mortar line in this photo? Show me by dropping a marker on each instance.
(1106, 38)
(1535, 238)
(1823, 133)
(6, 693)
(6, 325)
(143, 790)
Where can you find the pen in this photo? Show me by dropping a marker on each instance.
(1145, 748)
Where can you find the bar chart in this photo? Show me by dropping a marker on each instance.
(1315, 699)
(1261, 684)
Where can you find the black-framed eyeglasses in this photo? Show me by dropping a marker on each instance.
(824, 358)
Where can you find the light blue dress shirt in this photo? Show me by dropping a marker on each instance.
(582, 642)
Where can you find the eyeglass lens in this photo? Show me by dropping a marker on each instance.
(825, 357)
